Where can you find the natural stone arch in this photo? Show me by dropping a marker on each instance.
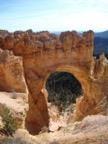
(44, 53)
(38, 103)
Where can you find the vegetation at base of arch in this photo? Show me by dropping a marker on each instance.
(10, 140)
(63, 89)
(9, 122)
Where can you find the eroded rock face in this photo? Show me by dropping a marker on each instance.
(44, 53)
(13, 88)
(11, 73)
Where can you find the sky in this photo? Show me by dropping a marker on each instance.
(54, 15)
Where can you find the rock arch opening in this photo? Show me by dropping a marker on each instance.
(63, 89)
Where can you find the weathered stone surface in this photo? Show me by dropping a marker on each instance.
(91, 130)
(44, 53)
(11, 73)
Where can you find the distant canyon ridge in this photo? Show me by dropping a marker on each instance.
(27, 58)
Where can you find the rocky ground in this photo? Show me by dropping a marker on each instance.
(91, 130)
(17, 103)
(59, 119)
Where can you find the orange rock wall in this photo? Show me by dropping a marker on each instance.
(44, 53)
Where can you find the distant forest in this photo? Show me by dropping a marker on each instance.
(100, 46)
(63, 89)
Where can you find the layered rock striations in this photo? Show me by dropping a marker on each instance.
(43, 53)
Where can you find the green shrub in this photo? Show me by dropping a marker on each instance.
(9, 122)
(12, 141)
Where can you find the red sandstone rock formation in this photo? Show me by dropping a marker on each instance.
(44, 53)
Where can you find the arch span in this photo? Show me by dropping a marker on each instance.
(38, 102)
